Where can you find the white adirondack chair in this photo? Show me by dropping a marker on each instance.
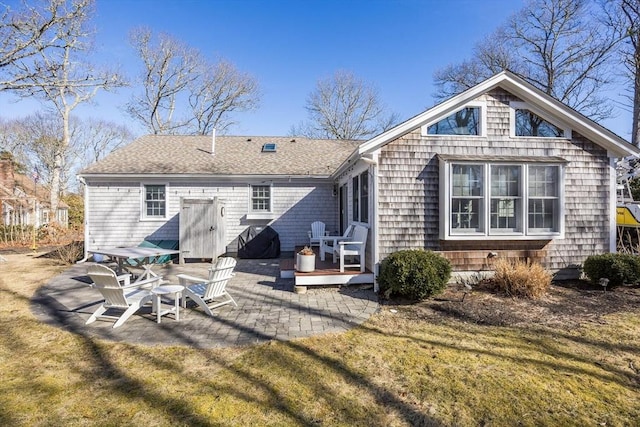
(118, 293)
(328, 243)
(317, 231)
(355, 246)
(207, 292)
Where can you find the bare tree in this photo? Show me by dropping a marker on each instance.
(63, 78)
(624, 16)
(220, 90)
(183, 91)
(344, 107)
(28, 31)
(92, 139)
(558, 46)
(39, 138)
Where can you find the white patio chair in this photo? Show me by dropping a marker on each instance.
(355, 246)
(317, 231)
(327, 243)
(207, 292)
(118, 293)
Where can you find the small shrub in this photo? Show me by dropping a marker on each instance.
(521, 278)
(69, 253)
(415, 274)
(620, 269)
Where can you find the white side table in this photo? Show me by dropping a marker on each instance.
(159, 291)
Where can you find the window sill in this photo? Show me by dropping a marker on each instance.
(547, 236)
(261, 215)
(153, 219)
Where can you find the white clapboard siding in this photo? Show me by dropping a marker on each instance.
(114, 211)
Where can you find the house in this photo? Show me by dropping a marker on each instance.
(500, 170)
(24, 201)
(136, 192)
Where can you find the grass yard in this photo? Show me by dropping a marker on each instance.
(485, 361)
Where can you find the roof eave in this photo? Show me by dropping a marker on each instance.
(165, 176)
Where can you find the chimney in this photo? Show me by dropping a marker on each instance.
(213, 141)
(7, 178)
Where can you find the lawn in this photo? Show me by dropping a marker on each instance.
(446, 362)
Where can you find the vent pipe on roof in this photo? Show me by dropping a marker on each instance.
(213, 141)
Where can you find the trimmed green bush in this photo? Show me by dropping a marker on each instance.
(415, 274)
(620, 269)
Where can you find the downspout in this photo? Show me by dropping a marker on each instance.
(86, 219)
(374, 226)
(613, 204)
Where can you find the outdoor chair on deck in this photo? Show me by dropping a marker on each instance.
(353, 247)
(210, 293)
(317, 231)
(118, 293)
(328, 243)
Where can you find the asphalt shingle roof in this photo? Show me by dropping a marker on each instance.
(234, 155)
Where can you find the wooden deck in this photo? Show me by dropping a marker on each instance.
(326, 273)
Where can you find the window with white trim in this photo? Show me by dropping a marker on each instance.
(468, 121)
(502, 199)
(360, 192)
(529, 122)
(155, 201)
(260, 198)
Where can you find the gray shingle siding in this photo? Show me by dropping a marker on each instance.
(409, 185)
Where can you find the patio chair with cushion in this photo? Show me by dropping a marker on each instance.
(210, 293)
(317, 231)
(118, 293)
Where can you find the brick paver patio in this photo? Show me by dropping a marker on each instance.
(267, 309)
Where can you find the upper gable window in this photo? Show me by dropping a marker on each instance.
(526, 122)
(462, 122)
(468, 121)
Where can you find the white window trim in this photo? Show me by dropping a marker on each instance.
(519, 105)
(424, 130)
(487, 234)
(143, 202)
(358, 177)
(260, 214)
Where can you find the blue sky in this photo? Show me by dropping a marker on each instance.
(288, 45)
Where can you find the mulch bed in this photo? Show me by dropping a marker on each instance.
(566, 305)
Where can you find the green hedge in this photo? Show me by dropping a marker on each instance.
(620, 269)
(415, 274)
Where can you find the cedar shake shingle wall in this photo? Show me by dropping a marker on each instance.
(114, 217)
(409, 186)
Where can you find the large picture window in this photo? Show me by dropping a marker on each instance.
(155, 201)
(487, 199)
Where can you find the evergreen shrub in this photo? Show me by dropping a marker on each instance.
(414, 273)
(620, 269)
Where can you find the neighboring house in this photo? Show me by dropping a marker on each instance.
(24, 202)
(500, 170)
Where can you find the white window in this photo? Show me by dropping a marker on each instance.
(500, 200)
(528, 122)
(260, 198)
(360, 187)
(468, 121)
(154, 202)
